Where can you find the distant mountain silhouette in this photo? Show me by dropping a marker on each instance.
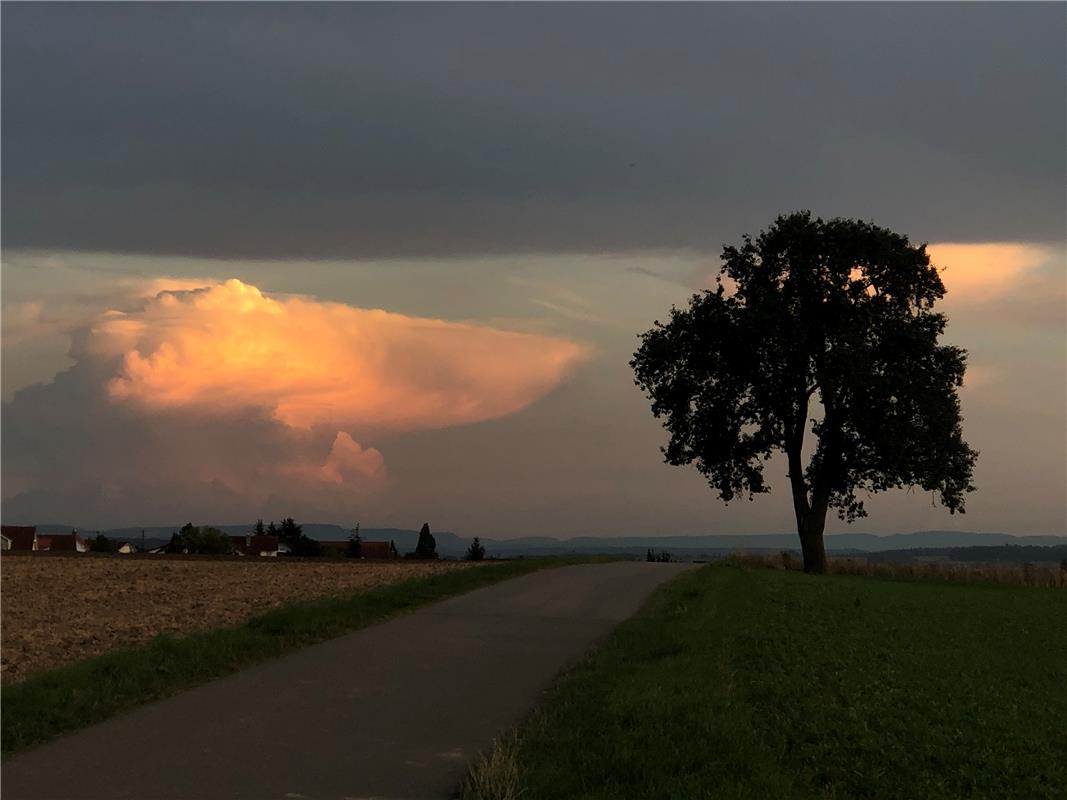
(451, 545)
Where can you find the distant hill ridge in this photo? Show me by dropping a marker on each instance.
(449, 544)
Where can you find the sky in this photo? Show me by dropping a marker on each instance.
(388, 263)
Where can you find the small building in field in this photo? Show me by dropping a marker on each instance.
(125, 548)
(22, 537)
(5, 543)
(379, 550)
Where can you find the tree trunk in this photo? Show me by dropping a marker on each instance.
(810, 528)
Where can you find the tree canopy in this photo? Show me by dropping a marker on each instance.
(839, 312)
(203, 540)
(426, 547)
(476, 550)
(354, 548)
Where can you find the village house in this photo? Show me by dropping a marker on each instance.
(252, 544)
(22, 537)
(62, 542)
(379, 550)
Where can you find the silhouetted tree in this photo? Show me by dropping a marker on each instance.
(289, 532)
(649, 556)
(259, 530)
(476, 551)
(204, 540)
(427, 545)
(101, 544)
(355, 544)
(292, 536)
(837, 310)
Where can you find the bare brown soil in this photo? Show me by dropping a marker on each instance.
(56, 610)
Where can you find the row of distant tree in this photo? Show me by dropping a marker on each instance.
(206, 540)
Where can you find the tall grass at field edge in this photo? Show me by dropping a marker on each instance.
(998, 574)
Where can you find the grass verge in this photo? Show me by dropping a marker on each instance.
(756, 683)
(71, 697)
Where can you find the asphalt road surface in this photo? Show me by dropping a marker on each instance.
(396, 710)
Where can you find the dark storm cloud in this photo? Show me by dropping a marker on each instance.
(244, 130)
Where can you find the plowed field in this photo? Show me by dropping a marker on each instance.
(57, 610)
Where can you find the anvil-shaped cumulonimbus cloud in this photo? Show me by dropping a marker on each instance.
(228, 347)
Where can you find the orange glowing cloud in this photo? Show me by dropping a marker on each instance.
(228, 347)
(347, 460)
(977, 271)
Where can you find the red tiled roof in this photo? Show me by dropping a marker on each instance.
(21, 536)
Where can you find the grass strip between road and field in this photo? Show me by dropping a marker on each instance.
(71, 697)
(755, 683)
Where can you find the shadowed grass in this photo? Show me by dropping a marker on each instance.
(71, 697)
(757, 683)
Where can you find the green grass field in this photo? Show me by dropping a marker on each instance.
(74, 696)
(756, 683)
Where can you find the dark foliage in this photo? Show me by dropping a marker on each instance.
(201, 540)
(427, 545)
(292, 536)
(355, 544)
(289, 532)
(101, 544)
(838, 311)
(476, 551)
(305, 547)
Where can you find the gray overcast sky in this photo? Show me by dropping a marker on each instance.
(316, 130)
(449, 222)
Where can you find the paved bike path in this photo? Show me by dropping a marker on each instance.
(396, 710)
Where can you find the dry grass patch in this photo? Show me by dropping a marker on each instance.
(948, 571)
(495, 776)
(59, 610)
